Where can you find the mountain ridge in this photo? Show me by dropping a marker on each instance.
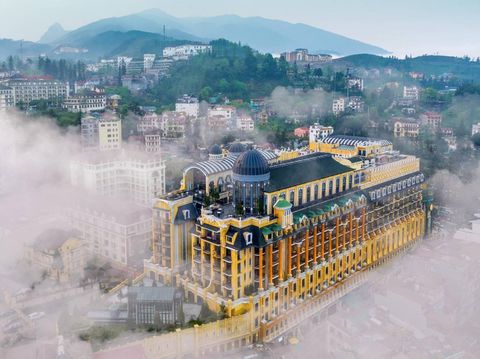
(262, 34)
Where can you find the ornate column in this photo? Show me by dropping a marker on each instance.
(260, 269)
(351, 229)
(270, 264)
(280, 260)
(299, 247)
(337, 234)
(289, 257)
(306, 248)
(322, 243)
(363, 223)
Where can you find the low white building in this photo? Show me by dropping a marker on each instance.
(183, 52)
(27, 90)
(188, 105)
(318, 132)
(139, 177)
(228, 112)
(81, 103)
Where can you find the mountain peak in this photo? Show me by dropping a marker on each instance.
(54, 32)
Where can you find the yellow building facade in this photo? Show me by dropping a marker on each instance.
(293, 229)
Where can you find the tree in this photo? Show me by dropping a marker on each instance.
(476, 140)
(239, 210)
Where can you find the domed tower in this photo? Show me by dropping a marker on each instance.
(215, 152)
(250, 176)
(236, 149)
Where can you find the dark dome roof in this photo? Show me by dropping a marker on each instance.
(237, 147)
(215, 150)
(251, 163)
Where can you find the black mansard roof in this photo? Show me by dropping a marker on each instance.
(304, 170)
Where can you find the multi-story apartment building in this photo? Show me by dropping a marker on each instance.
(7, 97)
(355, 103)
(226, 111)
(110, 134)
(406, 127)
(245, 123)
(183, 52)
(338, 106)
(149, 122)
(27, 90)
(411, 93)
(139, 177)
(89, 133)
(60, 254)
(302, 55)
(283, 232)
(84, 103)
(148, 61)
(355, 83)
(188, 105)
(317, 132)
(174, 124)
(118, 231)
(152, 141)
(431, 119)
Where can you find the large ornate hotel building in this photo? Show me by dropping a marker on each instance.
(259, 232)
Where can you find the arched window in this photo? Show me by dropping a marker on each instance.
(344, 183)
(309, 190)
(315, 192)
(330, 187)
(274, 200)
(357, 178)
(362, 177)
(292, 197)
(350, 179)
(337, 185)
(300, 196)
(324, 189)
(220, 185)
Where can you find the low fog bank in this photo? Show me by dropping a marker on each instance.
(423, 304)
(34, 181)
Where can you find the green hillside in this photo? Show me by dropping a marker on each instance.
(463, 68)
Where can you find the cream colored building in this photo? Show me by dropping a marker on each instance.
(110, 134)
(60, 254)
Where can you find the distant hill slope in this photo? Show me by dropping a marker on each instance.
(54, 32)
(259, 33)
(130, 43)
(427, 64)
(120, 24)
(18, 47)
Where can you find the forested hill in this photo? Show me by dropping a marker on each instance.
(464, 68)
(231, 69)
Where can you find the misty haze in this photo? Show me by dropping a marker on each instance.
(186, 182)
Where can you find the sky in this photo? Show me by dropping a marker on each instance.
(415, 27)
